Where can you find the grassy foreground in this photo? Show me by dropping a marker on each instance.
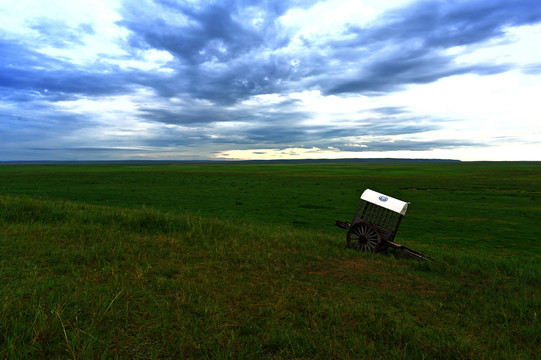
(82, 280)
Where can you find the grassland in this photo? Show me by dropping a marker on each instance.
(243, 261)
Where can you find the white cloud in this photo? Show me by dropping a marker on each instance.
(516, 47)
(102, 41)
(106, 74)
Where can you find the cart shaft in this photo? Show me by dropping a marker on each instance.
(410, 252)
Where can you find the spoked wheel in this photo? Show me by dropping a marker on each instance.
(364, 237)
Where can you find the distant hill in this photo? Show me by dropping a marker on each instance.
(356, 160)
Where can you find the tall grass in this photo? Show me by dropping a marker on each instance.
(84, 281)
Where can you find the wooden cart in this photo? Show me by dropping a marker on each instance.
(375, 224)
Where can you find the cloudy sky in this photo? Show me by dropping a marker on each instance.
(264, 79)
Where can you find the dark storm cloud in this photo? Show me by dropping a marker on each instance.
(218, 31)
(286, 132)
(444, 24)
(191, 112)
(412, 39)
(220, 55)
(31, 75)
(227, 51)
(214, 35)
(26, 132)
(287, 128)
(406, 67)
(38, 122)
(185, 116)
(272, 134)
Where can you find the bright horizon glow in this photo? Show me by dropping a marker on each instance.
(149, 80)
(501, 153)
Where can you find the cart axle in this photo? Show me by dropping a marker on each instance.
(343, 224)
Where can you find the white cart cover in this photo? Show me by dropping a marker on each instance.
(385, 201)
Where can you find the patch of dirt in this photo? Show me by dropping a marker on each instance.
(375, 273)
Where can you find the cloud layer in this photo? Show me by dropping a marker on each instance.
(168, 79)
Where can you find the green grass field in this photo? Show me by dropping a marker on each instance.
(244, 261)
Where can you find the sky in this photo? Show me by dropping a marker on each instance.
(84, 80)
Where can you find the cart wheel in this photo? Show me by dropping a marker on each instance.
(364, 237)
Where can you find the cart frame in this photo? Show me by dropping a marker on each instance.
(375, 224)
